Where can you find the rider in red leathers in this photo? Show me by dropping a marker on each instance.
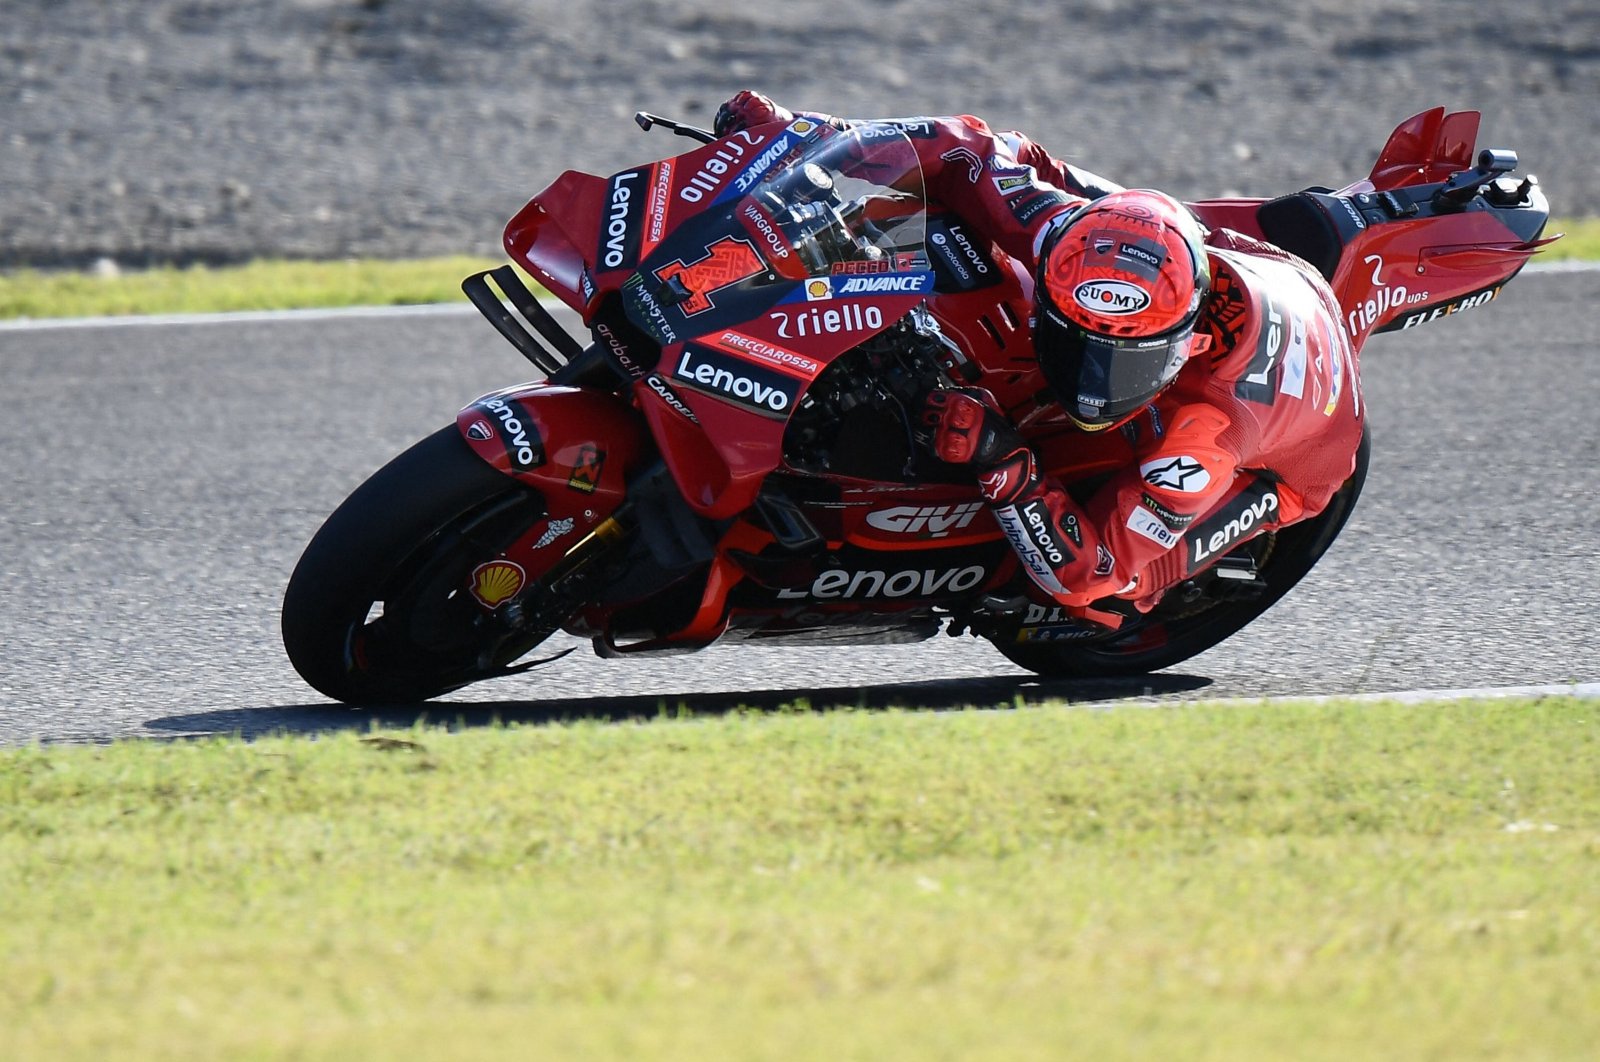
(1220, 357)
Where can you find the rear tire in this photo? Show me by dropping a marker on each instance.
(377, 610)
(1171, 633)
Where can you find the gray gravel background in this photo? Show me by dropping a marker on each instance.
(218, 130)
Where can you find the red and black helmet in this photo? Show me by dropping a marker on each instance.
(1119, 287)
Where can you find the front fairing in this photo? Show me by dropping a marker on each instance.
(792, 244)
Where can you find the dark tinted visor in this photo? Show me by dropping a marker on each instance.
(1098, 379)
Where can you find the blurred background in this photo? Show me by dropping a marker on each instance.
(154, 131)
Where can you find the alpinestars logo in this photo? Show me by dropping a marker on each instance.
(1182, 474)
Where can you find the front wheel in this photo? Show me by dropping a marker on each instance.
(377, 609)
(1177, 630)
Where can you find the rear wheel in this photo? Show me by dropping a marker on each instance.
(377, 610)
(1178, 629)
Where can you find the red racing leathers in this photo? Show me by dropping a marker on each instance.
(1259, 429)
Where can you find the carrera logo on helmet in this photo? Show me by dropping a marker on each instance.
(1111, 298)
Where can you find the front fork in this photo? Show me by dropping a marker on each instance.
(543, 607)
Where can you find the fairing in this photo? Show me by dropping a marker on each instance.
(753, 262)
(1399, 256)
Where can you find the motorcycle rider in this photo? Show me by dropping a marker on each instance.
(1221, 358)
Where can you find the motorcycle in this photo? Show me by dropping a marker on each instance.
(736, 455)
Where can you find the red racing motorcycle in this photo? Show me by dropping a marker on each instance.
(737, 455)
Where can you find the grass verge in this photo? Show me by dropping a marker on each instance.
(1315, 882)
(279, 285)
(264, 285)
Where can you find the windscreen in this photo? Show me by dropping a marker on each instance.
(817, 213)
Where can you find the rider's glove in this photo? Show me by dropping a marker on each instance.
(969, 429)
(747, 109)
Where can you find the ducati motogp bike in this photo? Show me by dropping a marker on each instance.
(735, 455)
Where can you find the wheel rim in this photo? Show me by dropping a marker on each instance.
(428, 634)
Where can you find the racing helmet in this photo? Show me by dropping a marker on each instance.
(1119, 286)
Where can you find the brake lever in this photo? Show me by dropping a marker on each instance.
(645, 120)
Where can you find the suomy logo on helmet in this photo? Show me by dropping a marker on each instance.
(1113, 298)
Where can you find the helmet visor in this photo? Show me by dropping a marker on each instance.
(1101, 380)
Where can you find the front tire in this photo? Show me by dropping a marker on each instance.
(377, 611)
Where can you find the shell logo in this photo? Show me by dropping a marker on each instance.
(497, 581)
(803, 126)
(819, 288)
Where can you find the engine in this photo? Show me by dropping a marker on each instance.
(860, 417)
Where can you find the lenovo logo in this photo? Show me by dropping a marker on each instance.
(836, 583)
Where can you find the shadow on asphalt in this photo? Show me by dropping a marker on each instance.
(940, 695)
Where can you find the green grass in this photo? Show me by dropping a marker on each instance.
(264, 285)
(1206, 882)
(1581, 240)
(279, 285)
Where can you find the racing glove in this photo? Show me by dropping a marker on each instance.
(969, 429)
(1058, 547)
(746, 109)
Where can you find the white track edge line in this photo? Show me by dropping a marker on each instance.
(432, 309)
(1581, 690)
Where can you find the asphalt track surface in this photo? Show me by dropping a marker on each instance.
(160, 481)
